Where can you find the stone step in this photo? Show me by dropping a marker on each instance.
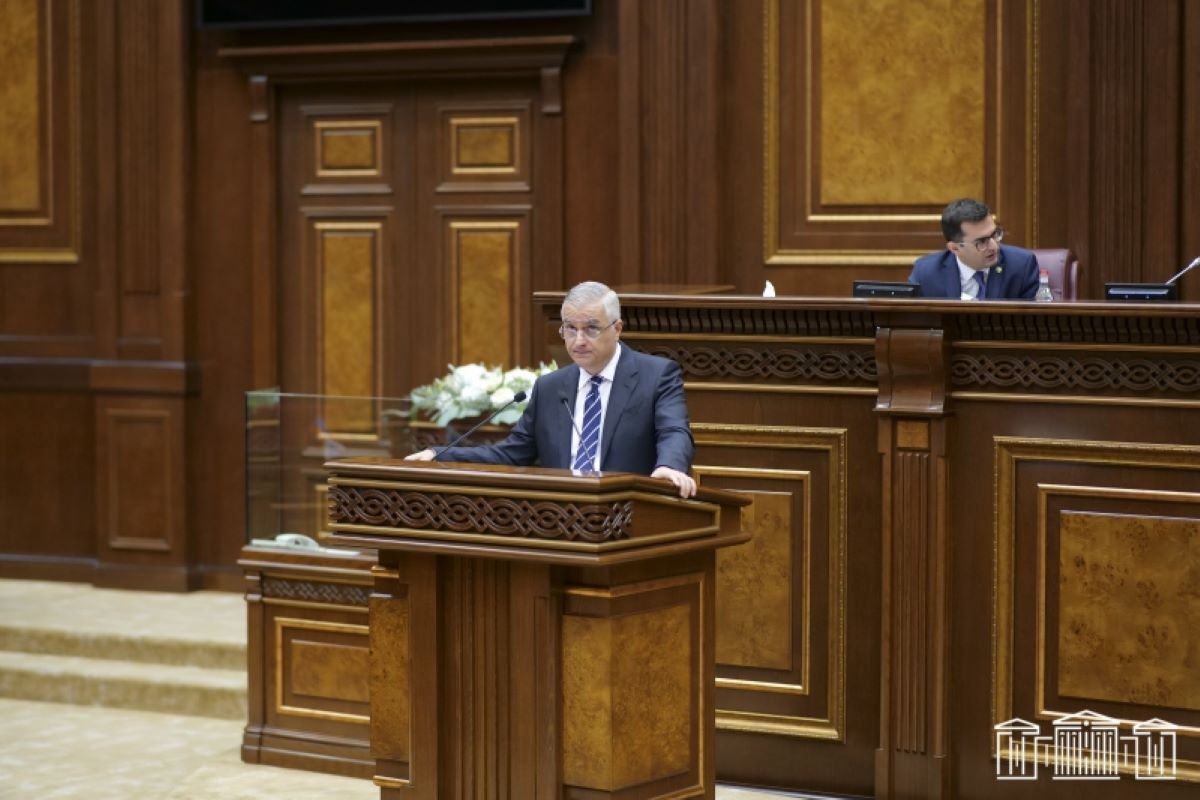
(197, 691)
(62, 640)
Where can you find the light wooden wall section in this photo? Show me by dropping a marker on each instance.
(878, 113)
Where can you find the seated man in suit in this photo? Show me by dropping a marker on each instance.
(974, 265)
(614, 409)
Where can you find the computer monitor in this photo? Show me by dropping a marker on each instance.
(886, 289)
(1141, 292)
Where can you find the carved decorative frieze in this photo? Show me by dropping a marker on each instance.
(1115, 374)
(1081, 328)
(498, 516)
(795, 364)
(342, 594)
(754, 321)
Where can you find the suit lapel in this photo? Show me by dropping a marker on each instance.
(564, 414)
(951, 280)
(624, 382)
(995, 284)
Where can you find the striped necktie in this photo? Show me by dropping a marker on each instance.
(980, 281)
(589, 434)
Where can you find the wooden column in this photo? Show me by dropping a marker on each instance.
(913, 755)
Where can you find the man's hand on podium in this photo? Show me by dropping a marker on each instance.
(425, 455)
(687, 486)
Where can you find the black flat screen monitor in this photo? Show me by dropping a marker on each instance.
(886, 289)
(308, 13)
(1141, 292)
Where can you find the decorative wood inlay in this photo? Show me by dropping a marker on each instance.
(764, 322)
(348, 148)
(348, 266)
(1104, 374)
(496, 515)
(337, 594)
(484, 259)
(886, 132)
(1128, 616)
(21, 106)
(791, 364)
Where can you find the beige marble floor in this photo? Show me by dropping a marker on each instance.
(59, 752)
(51, 751)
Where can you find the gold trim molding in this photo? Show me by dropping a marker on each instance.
(314, 625)
(1009, 453)
(831, 441)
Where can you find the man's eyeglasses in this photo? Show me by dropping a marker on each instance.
(591, 332)
(982, 242)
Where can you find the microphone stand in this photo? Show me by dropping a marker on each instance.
(517, 398)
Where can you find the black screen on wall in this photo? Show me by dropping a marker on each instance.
(295, 13)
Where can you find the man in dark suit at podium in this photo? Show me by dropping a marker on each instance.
(974, 265)
(614, 409)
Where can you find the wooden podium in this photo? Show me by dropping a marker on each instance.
(536, 634)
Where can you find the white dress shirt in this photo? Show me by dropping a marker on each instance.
(966, 278)
(581, 393)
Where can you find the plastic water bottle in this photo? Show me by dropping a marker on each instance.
(1044, 295)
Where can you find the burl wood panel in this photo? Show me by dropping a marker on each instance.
(484, 255)
(627, 692)
(348, 147)
(754, 585)
(349, 260)
(1129, 620)
(482, 144)
(321, 669)
(20, 105)
(889, 133)
(391, 717)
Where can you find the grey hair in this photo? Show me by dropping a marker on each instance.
(589, 292)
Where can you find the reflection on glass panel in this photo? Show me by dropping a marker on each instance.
(288, 441)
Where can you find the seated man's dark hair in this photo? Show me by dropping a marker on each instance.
(962, 210)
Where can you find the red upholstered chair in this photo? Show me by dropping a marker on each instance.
(1063, 267)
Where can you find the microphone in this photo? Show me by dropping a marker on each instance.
(517, 398)
(588, 451)
(1171, 280)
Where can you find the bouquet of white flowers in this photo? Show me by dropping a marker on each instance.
(473, 389)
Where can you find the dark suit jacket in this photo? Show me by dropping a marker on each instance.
(645, 423)
(1015, 276)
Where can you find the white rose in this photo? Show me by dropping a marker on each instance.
(502, 396)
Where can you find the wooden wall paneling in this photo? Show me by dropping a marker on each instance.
(47, 500)
(142, 296)
(225, 316)
(141, 506)
(854, 179)
(1189, 198)
(45, 301)
(1117, 130)
(307, 650)
(914, 736)
(781, 406)
(1163, 103)
(667, 176)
